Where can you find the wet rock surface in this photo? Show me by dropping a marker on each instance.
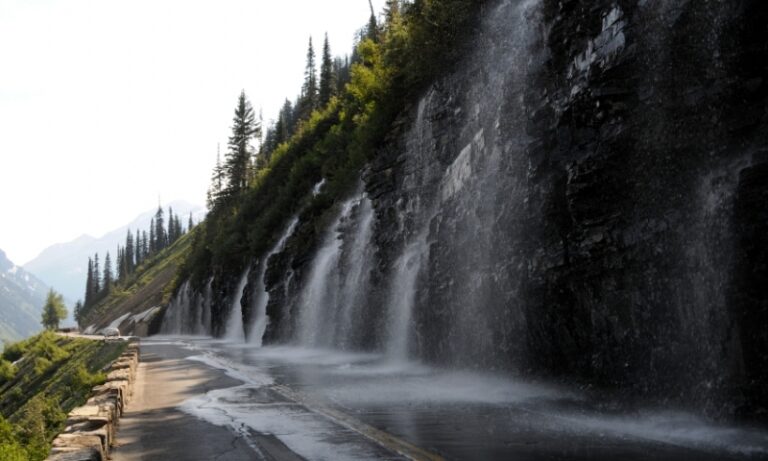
(583, 198)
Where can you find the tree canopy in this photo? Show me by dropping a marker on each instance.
(54, 311)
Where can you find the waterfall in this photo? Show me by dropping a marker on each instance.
(234, 331)
(354, 285)
(402, 298)
(318, 299)
(337, 283)
(188, 313)
(461, 204)
(261, 295)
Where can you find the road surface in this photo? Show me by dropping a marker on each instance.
(203, 399)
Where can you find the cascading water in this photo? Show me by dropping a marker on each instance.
(459, 187)
(235, 331)
(261, 295)
(403, 294)
(355, 274)
(338, 281)
(537, 212)
(188, 312)
(318, 299)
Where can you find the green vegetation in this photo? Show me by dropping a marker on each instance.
(333, 129)
(134, 260)
(156, 274)
(54, 311)
(330, 131)
(41, 380)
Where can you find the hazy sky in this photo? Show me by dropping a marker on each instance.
(106, 105)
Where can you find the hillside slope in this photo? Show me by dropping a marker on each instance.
(64, 265)
(573, 198)
(22, 296)
(41, 380)
(131, 306)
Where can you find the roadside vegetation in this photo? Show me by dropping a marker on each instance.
(332, 129)
(41, 380)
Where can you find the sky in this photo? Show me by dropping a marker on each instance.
(108, 106)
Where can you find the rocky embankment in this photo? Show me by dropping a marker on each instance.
(90, 430)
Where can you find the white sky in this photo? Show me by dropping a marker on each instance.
(106, 105)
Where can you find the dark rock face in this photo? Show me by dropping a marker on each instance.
(609, 218)
(749, 291)
(585, 198)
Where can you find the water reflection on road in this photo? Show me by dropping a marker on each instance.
(458, 415)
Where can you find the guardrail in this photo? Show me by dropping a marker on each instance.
(91, 429)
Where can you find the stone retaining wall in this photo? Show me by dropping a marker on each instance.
(91, 429)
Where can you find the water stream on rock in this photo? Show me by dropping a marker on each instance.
(479, 254)
(235, 331)
(260, 293)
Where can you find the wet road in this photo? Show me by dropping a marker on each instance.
(339, 406)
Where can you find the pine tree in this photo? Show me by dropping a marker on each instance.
(341, 73)
(217, 181)
(171, 227)
(236, 165)
(327, 77)
(108, 278)
(161, 238)
(152, 238)
(191, 223)
(373, 27)
(96, 277)
(79, 312)
(177, 228)
(54, 311)
(137, 250)
(309, 97)
(144, 246)
(391, 11)
(89, 284)
(128, 258)
(120, 266)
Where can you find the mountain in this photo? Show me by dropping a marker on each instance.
(64, 265)
(22, 296)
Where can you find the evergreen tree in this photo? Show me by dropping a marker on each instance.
(120, 267)
(96, 278)
(341, 73)
(89, 284)
(281, 131)
(191, 223)
(237, 162)
(327, 77)
(54, 311)
(144, 246)
(373, 27)
(391, 11)
(171, 227)
(309, 96)
(138, 246)
(178, 229)
(128, 258)
(152, 239)
(217, 181)
(79, 312)
(161, 238)
(108, 279)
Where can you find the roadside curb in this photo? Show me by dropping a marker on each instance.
(91, 429)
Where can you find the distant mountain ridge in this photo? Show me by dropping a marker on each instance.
(22, 296)
(63, 265)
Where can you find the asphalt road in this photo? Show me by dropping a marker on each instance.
(154, 428)
(204, 399)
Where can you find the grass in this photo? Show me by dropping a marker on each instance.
(41, 380)
(151, 284)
